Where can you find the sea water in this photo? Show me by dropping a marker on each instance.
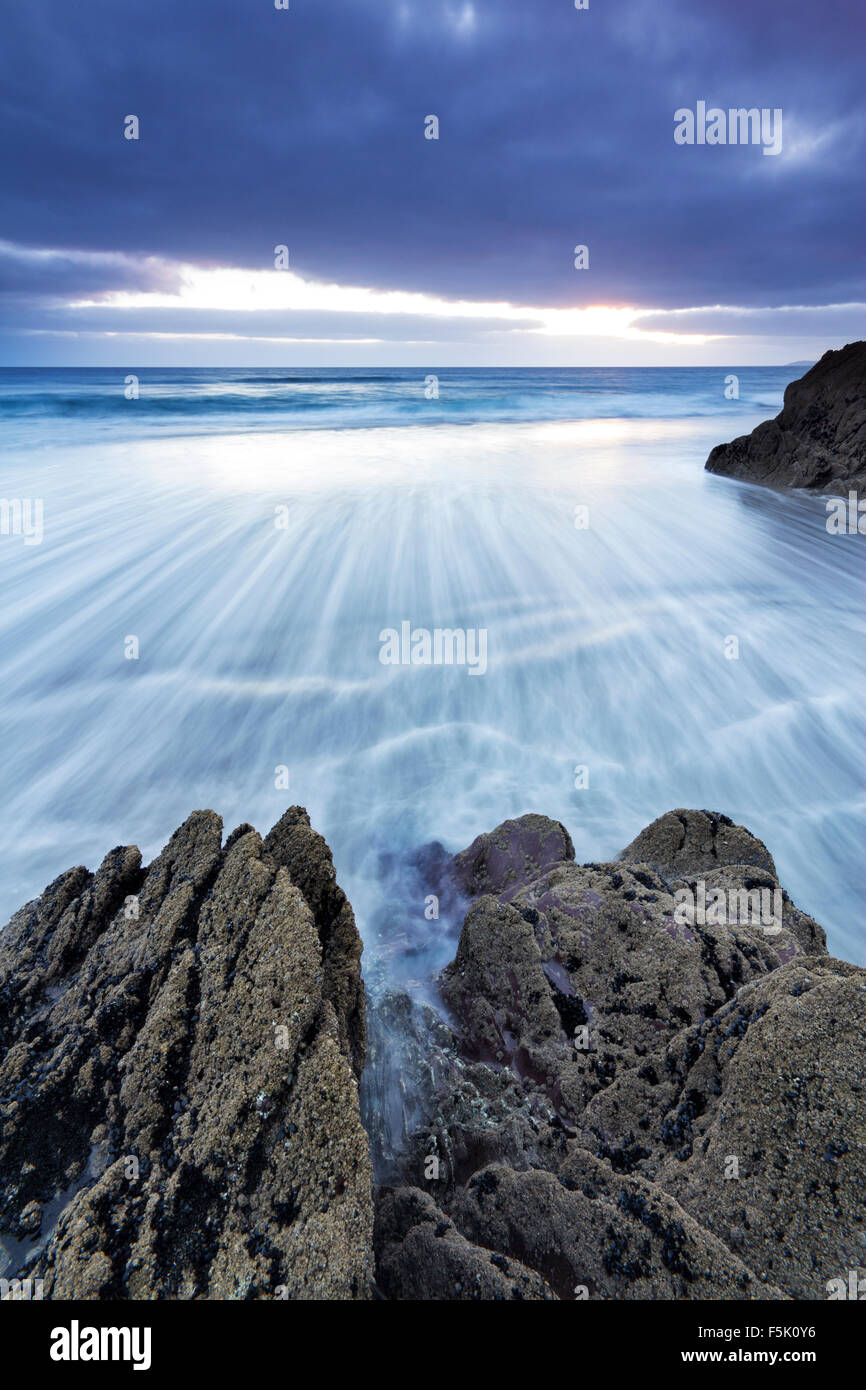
(200, 624)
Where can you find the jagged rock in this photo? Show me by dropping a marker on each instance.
(293, 843)
(178, 1084)
(511, 856)
(683, 844)
(593, 1233)
(591, 969)
(180, 1049)
(617, 1041)
(755, 1121)
(819, 438)
(422, 1255)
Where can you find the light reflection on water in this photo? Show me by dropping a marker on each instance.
(260, 648)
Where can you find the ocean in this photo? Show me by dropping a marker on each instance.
(195, 619)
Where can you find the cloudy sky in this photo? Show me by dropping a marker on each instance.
(305, 128)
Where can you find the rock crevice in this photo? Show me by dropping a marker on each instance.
(637, 1085)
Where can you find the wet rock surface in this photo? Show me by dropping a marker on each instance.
(641, 1079)
(818, 440)
(181, 1049)
(422, 1255)
(652, 1088)
(516, 852)
(775, 1081)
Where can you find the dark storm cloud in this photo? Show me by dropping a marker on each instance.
(39, 276)
(305, 127)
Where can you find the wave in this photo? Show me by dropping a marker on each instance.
(260, 647)
(311, 377)
(45, 406)
(49, 404)
(202, 401)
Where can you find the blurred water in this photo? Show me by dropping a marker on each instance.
(62, 405)
(259, 646)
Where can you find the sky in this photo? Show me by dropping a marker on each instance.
(306, 128)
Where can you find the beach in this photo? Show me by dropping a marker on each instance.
(257, 532)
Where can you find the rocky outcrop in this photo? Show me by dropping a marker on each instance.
(515, 853)
(683, 844)
(645, 1080)
(424, 1256)
(818, 440)
(755, 1122)
(652, 1089)
(609, 955)
(180, 1049)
